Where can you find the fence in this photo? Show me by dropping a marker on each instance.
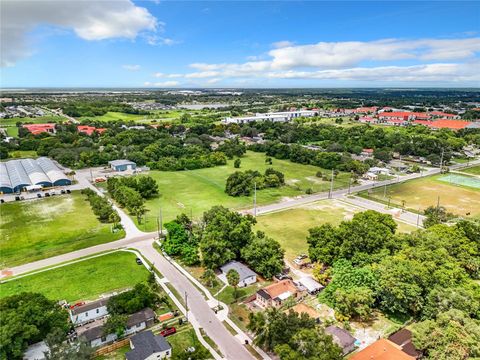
(109, 348)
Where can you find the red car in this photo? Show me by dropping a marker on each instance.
(168, 331)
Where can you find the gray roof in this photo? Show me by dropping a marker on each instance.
(340, 336)
(242, 270)
(90, 306)
(121, 162)
(146, 344)
(93, 333)
(140, 316)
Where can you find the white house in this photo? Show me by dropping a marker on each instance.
(146, 346)
(91, 311)
(247, 276)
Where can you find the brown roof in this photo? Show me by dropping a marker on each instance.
(382, 349)
(341, 336)
(303, 308)
(280, 287)
(403, 338)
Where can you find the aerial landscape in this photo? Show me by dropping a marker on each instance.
(237, 180)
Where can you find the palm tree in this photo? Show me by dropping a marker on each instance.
(233, 278)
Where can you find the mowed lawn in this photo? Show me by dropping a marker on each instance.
(37, 229)
(115, 116)
(196, 191)
(425, 192)
(473, 170)
(290, 227)
(84, 280)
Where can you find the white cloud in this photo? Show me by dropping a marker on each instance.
(160, 40)
(282, 44)
(165, 84)
(131, 67)
(168, 76)
(448, 60)
(90, 20)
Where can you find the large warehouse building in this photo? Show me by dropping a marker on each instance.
(15, 175)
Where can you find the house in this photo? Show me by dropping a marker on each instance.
(136, 322)
(36, 129)
(403, 338)
(370, 176)
(122, 165)
(367, 152)
(382, 349)
(312, 286)
(247, 276)
(379, 171)
(89, 130)
(88, 312)
(342, 338)
(146, 346)
(398, 165)
(276, 294)
(443, 115)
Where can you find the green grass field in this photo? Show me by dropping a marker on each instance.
(114, 116)
(473, 170)
(196, 191)
(290, 227)
(425, 192)
(38, 229)
(21, 154)
(84, 280)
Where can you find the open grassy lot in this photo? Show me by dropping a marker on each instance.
(84, 280)
(37, 229)
(473, 170)
(21, 154)
(114, 116)
(422, 193)
(196, 191)
(290, 227)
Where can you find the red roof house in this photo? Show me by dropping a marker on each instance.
(89, 130)
(36, 129)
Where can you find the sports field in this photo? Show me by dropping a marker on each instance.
(115, 116)
(421, 193)
(84, 280)
(473, 170)
(290, 227)
(37, 229)
(196, 191)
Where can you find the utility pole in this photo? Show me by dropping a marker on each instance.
(349, 183)
(161, 222)
(186, 305)
(91, 175)
(441, 160)
(255, 199)
(385, 191)
(418, 217)
(438, 202)
(331, 187)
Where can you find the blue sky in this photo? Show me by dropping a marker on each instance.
(240, 44)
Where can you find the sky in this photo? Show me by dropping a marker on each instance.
(239, 44)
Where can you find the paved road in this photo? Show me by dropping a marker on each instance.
(198, 307)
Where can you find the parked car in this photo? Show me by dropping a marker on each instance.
(139, 261)
(69, 191)
(17, 198)
(62, 192)
(47, 194)
(168, 331)
(2, 201)
(282, 277)
(39, 195)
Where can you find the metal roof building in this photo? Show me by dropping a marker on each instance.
(15, 175)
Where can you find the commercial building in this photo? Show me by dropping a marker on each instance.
(122, 165)
(282, 116)
(17, 175)
(36, 129)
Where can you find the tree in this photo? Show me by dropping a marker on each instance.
(209, 277)
(310, 344)
(115, 324)
(355, 302)
(451, 336)
(147, 187)
(265, 256)
(233, 278)
(237, 163)
(59, 349)
(28, 318)
(132, 301)
(436, 215)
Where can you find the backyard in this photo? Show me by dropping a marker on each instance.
(83, 280)
(37, 229)
(290, 227)
(421, 193)
(206, 188)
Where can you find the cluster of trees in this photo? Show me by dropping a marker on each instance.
(131, 192)
(28, 318)
(101, 207)
(428, 275)
(223, 235)
(79, 108)
(292, 336)
(241, 183)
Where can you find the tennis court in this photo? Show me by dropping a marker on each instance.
(461, 180)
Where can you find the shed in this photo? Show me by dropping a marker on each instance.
(247, 276)
(310, 284)
(122, 165)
